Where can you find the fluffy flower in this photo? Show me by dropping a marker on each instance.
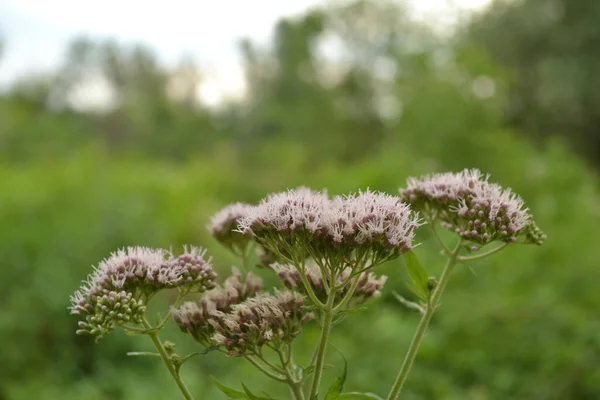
(441, 190)
(259, 320)
(117, 290)
(369, 285)
(303, 222)
(371, 218)
(474, 208)
(194, 317)
(194, 271)
(224, 223)
(295, 210)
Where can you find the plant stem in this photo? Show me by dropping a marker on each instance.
(438, 238)
(287, 364)
(167, 317)
(328, 314)
(422, 328)
(348, 295)
(482, 255)
(264, 370)
(167, 360)
(296, 389)
(308, 288)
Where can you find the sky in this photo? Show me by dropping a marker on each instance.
(36, 32)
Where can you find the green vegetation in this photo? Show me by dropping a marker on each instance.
(75, 186)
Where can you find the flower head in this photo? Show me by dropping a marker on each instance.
(118, 289)
(302, 222)
(195, 272)
(194, 317)
(224, 223)
(467, 203)
(259, 320)
(371, 218)
(289, 212)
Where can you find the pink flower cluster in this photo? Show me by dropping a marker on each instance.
(365, 219)
(195, 317)
(467, 203)
(224, 223)
(118, 288)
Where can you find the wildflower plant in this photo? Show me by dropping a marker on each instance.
(325, 252)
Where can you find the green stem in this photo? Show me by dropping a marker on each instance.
(422, 328)
(175, 305)
(167, 360)
(348, 295)
(296, 389)
(308, 288)
(262, 369)
(482, 255)
(287, 364)
(438, 238)
(328, 314)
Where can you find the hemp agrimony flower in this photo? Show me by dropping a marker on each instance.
(194, 317)
(477, 210)
(224, 223)
(324, 251)
(119, 288)
(259, 320)
(301, 223)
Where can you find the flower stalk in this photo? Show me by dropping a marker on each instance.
(167, 360)
(424, 323)
(328, 314)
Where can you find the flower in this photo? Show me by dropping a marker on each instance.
(474, 208)
(289, 212)
(368, 287)
(224, 223)
(437, 192)
(117, 291)
(371, 218)
(300, 223)
(194, 317)
(259, 320)
(194, 271)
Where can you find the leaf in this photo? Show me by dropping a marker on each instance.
(231, 393)
(360, 396)
(253, 397)
(338, 385)
(418, 276)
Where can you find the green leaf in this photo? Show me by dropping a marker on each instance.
(418, 276)
(231, 393)
(338, 385)
(360, 396)
(253, 397)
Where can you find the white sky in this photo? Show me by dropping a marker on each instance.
(36, 32)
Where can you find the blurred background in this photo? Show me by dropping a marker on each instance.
(129, 123)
